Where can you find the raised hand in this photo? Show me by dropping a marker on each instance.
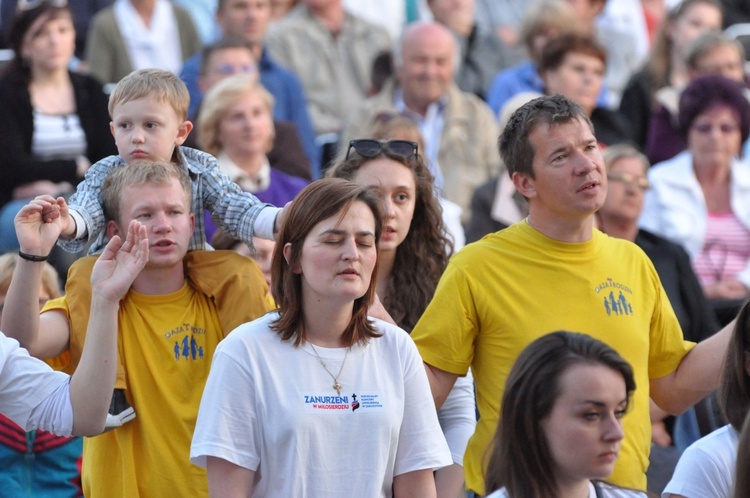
(120, 263)
(39, 223)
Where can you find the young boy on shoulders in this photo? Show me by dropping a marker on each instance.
(149, 121)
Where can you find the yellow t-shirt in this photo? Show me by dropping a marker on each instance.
(174, 335)
(501, 293)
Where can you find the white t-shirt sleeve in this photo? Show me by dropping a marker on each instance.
(227, 426)
(421, 444)
(32, 394)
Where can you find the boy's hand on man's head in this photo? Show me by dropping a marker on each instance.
(39, 224)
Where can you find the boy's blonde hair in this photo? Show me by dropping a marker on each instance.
(145, 172)
(154, 83)
(50, 281)
(217, 102)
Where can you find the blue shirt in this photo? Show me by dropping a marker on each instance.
(289, 96)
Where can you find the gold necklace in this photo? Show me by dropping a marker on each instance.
(335, 378)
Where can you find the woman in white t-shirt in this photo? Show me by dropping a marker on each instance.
(317, 399)
(560, 428)
(707, 467)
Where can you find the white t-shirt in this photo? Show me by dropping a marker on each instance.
(607, 492)
(706, 468)
(32, 394)
(270, 407)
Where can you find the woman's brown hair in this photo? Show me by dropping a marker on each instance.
(317, 202)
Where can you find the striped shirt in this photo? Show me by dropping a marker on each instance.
(726, 249)
(57, 136)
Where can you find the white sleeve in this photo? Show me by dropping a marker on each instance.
(458, 417)
(227, 425)
(32, 394)
(265, 222)
(421, 444)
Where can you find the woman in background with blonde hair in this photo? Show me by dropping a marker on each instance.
(236, 126)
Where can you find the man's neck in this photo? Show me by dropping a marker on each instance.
(145, 9)
(570, 230)
(332, 17)
(155, 281)
(417, 106)
(257, 50)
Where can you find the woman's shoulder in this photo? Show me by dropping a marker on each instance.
(724, 439)
(11, 84)
(256, 333)
(392, 336)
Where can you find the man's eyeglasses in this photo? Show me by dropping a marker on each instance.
(24, 5)
(231, 69)
(371, 148)
(637, 181)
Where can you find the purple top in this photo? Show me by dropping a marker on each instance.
(282, 189)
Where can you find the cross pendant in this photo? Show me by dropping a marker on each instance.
(337, 386)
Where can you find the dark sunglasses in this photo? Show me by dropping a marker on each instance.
(368, 147)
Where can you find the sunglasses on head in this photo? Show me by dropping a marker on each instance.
(24, 5)
(368, 147)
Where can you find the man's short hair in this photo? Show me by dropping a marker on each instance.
(152, 83)
(142, 172)
(222, 44)
(707, 42)
(554, 52)
(408, 34)
(514, 144)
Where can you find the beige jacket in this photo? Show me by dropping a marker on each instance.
(335, 72)
(107, 55)
(467, 154)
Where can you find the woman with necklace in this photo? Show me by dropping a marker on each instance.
(331, 402)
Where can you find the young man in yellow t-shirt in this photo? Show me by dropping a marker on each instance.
(173, 314)
(554, 271)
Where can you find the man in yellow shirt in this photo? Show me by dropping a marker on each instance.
(554, 271)
(172, 316)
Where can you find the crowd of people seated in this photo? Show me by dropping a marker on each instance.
(477, 173)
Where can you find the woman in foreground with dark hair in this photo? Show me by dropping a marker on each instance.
(560, 428)
(333, 403)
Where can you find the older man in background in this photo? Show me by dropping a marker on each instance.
(481, 54)
(459, 129)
